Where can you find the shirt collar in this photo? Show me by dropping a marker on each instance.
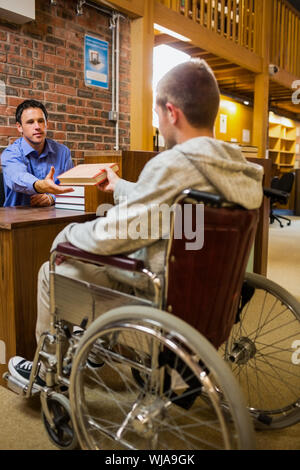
(27, 149)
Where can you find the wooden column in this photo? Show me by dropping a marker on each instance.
(260, 130)
(142, 43)
(261, 113)
(261, 88)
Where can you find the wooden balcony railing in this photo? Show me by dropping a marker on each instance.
(285, 37)
(241, 22)
(236, 20)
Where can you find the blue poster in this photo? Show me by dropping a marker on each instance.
(95, 62)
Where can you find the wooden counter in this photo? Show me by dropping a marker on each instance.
(26, 236)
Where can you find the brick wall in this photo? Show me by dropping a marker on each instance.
(44, 60)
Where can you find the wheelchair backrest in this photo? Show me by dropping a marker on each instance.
(203, 286)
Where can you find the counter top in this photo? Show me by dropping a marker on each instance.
(22, 216)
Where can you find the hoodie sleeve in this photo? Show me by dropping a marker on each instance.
(123, 189)
(128, 226)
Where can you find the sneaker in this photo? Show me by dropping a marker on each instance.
(94, 365)
(93, 362)
(20, 368)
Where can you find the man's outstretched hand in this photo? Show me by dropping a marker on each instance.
(48, 185)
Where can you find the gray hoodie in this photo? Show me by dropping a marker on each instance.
(202, 163)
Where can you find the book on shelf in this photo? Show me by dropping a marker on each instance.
(250, 154)
(86, 174)
(247, 150)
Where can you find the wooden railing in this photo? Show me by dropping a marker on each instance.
(241, 22)
(237, 20)
(285, 37)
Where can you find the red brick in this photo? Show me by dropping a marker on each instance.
(60, 135)
(66, 90)
(55, 98)
(29, 94)
(14, 101)
(38, 55)
(19, 40)
(9, 131)
(15, 59)
(9, 69)
(61, 51)
(51, 125)
(6, 111)
(54, 59)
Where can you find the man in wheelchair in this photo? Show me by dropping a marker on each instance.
(187, 105)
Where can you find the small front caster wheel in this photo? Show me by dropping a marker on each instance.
(62, 434)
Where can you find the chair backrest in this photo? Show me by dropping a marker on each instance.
(203, 286)
(286, 182)
(275, 182)
(2, 194)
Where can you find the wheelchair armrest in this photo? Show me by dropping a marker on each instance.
(207, 198)
(276, 194)
(117, 261)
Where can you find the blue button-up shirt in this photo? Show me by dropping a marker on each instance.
(22, 166)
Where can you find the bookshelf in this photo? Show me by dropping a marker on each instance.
(282, 143)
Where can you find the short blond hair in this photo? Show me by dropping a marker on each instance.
(193, 88)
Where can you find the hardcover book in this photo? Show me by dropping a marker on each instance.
(75, 207)
(86, 174)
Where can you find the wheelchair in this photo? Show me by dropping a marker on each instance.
(211, 356)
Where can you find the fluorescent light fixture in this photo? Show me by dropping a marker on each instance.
(171, 33)
(246, 103)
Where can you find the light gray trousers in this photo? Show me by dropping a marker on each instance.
(71, 268)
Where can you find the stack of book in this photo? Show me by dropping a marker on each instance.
(72, 201)
(247, 150)
(77, 178)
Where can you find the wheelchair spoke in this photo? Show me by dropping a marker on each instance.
(150, 393)
(260, 352)
(259, 376)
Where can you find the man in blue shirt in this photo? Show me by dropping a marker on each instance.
(33, 162)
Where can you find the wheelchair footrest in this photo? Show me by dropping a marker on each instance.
(17, 386)
(14, 384)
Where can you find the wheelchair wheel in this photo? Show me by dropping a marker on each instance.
(264, 353)
(187, 397)
(62, 434)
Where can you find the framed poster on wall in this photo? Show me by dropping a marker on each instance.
(95, 62)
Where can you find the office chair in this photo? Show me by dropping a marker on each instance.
(284, 187)
(2, 194)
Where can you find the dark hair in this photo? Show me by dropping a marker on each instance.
(193, 88)
(29, 104)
